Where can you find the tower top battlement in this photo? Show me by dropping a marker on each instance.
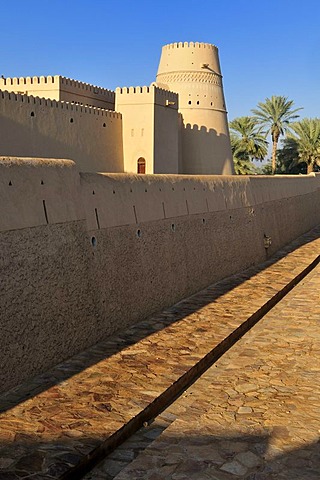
(188, 57)
(189, 45)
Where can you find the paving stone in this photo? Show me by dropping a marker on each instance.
(248, 459)
(235, 468)
(244, 410)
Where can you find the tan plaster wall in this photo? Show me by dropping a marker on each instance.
(137, 109)
(157, 239)
(193, 71)
(49, 132)
(60, 88)
(150, 128)
(166, 139)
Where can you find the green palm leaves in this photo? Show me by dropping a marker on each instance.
(306, 134)
(247, 143)
(274, 116)
(247, 138)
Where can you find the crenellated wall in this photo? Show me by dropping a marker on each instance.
(83, 255)
(62, 89)
(38, 127)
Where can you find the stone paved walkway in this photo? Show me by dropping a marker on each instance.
(49, 425)
(254, 415)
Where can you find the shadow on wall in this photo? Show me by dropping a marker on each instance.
(204, 152)
(46, 336)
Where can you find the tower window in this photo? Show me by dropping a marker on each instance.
(189, 102)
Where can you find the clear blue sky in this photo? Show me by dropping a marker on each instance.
(266, 47)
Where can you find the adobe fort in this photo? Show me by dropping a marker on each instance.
(177, 125)
(83, 254)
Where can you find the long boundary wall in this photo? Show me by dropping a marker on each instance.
(82, 255)
(38, 127)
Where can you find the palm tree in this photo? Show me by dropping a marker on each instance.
(275, 114)
(247, 143)
(306, 134)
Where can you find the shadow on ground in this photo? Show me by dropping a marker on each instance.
(203, 457)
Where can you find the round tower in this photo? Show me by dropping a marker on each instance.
(193, 71)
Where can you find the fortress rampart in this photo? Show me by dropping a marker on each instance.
(39, 127)
(85, 254)
(62, 89)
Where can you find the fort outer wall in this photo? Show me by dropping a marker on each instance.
(83, 255)
(38, 127)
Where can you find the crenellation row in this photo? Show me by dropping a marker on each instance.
(153, 88)
(55, 80)
(77, 107)
(50, 79)
(123, 90)
(190, 45)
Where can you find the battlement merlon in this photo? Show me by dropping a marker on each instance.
(61, 88)
(52, 103)
(146, 95)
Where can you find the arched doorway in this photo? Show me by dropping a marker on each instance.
(141, 165)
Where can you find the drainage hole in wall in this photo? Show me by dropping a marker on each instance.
(146, 190)
(130, 190)
(71, 120)
(203, 221)
(10, 184)
(113, 191)
(230, 217)
(42, 182)
(104, 125)
(184, 189)
(173, 227)
(139, 233)
(93, 241)
(160, 190)
(93, 192)
(32, 114)
(172, 188)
